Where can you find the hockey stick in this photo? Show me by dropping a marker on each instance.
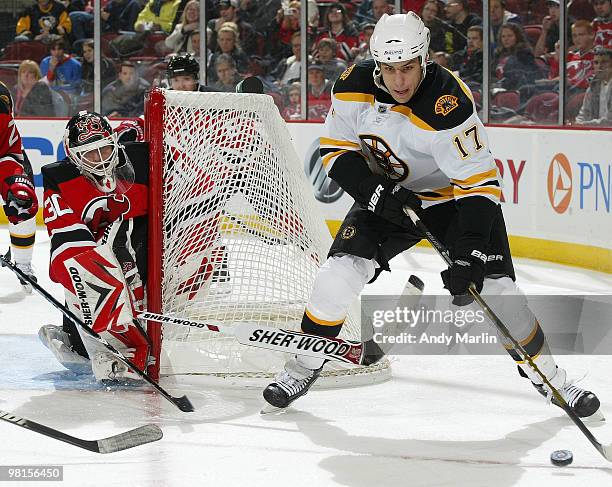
(281, 340)
(604, 450)
(291, 341)
(122, 441)
(182, 402)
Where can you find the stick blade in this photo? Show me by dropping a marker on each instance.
(130, 439)
(606, 451)
(183, 403)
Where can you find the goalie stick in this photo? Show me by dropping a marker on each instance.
(291, 341)
(122, 441)
(604, 450)
(182, 402)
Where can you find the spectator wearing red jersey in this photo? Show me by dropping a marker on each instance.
(293, 109)
(338, 26)
(319, 92)
(602, 24)
(579, 64)
(280, 30)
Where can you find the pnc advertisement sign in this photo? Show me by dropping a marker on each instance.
(590, 182)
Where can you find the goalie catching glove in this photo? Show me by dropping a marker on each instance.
(387, 199)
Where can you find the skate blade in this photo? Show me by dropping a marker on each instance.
(596, 417)
(269, 409)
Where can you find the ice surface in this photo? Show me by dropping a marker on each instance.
(441, 421)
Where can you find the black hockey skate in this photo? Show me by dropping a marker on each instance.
(583, 403)
(291, 383)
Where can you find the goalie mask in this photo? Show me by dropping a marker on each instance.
(92, 146)
(398, 38)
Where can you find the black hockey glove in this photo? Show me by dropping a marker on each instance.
(386, 199)
(457, 278)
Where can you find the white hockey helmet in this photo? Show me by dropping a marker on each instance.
(397, 38)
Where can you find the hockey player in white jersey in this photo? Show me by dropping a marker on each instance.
(403, 131)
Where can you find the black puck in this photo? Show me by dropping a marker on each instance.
(561, 458)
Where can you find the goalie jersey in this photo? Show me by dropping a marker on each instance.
(76, 213)
(434, 145)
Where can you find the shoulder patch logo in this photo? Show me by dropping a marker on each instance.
(347, 72)
(348, 232)
(446, 104)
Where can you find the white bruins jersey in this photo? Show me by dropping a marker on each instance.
(434, 145)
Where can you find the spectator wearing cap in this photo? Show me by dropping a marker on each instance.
(62, 71)
(226, 74)
(338, 27)
(179, 40)
(579, 65)
(229, 11)
(362, 52)
(602, 24)
(499, 16)
(45, 21)
(550, 29)
(125, 96)
(430, 14)
(319, 92)
(157, 15)
(326, 57)
(228, 42)
(597, 103)
(468, 61)
(460, 20)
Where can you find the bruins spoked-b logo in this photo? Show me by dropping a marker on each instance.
(348, 232)
(379, 153)
(446, 104)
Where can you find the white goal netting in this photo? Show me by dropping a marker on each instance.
(242, 236)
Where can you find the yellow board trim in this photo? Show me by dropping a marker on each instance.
(358, 97)
(407, 112)
(571, 254)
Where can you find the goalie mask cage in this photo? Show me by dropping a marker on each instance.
(235, 235)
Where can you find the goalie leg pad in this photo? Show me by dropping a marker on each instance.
(58, 342)
(101, 299)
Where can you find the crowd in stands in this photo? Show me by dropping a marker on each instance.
(263, 38)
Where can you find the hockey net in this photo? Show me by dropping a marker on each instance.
(235, 234)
